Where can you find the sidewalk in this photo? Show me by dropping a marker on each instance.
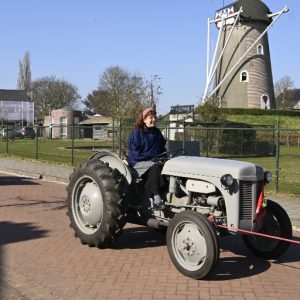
(60, 173)
(36, 169)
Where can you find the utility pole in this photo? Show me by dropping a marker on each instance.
(152, 92)
(153, 105)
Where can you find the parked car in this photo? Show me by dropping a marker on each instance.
(19, 132)
(9, 132)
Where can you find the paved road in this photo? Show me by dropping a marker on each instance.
(41, 259)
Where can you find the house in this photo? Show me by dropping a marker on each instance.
(96, 127)
(293, 98)
(297, 105)
(59, 125)
(296, 99)
(179, 114)
(16, 107)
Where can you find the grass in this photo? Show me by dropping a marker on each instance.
(60, 151)
(289, 162)
(55, 151)
(291, 122)
(289, 170)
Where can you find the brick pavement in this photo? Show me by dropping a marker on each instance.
(41, 259)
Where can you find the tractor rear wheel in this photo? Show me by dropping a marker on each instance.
(94, 204)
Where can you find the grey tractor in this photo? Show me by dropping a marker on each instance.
(205, 198)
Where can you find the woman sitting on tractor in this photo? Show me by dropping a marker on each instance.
(146, 142)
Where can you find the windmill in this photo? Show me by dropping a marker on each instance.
(240, 72)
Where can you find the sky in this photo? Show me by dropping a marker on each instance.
(77, 40)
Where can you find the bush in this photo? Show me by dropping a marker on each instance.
(260, 112)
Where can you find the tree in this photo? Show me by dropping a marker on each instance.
(284, 92)
(50, 93)
(120, 94)
(210, 110)
(24, 77)
(96, 103)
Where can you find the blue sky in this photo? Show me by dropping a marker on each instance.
(77, 40)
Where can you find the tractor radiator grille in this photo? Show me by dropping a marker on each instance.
(246, 199)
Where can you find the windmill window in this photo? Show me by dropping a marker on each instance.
(260, 49)
(244, 76)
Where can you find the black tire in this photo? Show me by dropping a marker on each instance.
(94, 204)
(276, 222)
(192, 244)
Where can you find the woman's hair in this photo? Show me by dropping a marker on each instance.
(140, 120)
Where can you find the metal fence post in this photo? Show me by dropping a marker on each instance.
(184, 135)
(277, 154)
(206, 141)
(37, 143)
(120, 138)
(113, 134)
(6, 138)
(72, 148)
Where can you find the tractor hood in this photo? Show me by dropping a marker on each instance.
(199, 167)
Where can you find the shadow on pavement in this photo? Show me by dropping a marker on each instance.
(24, 202)
(246, 264)
(292, 255)
(14, 233)
(140, 237)
(235, 267)
(13, 180)
(236, 245)
(17, 232)
(229, 268)
(240, 265)
(62, 205)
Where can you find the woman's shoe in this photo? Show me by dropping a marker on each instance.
(159, 205)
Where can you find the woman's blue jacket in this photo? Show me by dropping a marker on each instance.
(145, 144)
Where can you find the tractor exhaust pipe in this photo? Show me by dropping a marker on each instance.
(157, 224)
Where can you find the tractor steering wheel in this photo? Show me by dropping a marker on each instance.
(164, 156)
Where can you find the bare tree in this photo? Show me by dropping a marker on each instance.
(24, 77)
(121, 94)
(284, 92)
(50, 93)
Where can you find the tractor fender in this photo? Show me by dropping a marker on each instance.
(114, 162)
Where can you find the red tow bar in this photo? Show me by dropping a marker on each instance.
(259, 234)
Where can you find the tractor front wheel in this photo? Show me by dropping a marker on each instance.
(192, 244)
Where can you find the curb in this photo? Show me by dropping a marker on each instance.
(35, 176)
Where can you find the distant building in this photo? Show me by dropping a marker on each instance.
(181, 112)
(96, 127)
(297, 105)
(296, 99)
(60, 124)
(65, 123)
(178, 114)
(16, 107)
(293, 99)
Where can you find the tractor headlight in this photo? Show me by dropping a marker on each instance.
(268, 176)
(227, 180)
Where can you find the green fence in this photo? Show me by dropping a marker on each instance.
(276, 149)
